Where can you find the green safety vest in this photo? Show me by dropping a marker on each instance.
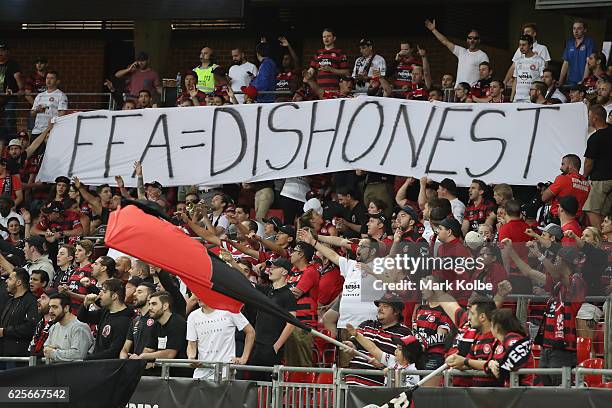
(206, 80)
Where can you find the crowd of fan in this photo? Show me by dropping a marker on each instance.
(64, 298)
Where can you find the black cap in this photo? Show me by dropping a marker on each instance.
(366, 42)
(410, 211)
(288, 229)
(453, 225)
(3, 161)
(41, 59)
(569, 204)
(450, 185)
(530, 209)
(379, 216)
(282, 263)
(62, 179)
(142, 56)
(274, 221)
(576, 87)
(3, 46)
(155, 184)
(392, 300)
(37, 242)
(53, 206)
(135, 281)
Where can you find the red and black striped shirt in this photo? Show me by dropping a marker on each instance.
(514, 353)
(335, 58)
(383, 339)
(560, 315)
(478, 214)
(462, 343)
(426, 324)
(483, 349)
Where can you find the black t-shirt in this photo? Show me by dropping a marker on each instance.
(140, 331)
(7, 76)
(358, 215)
(598, 149)
(267, 326)
(171, 335)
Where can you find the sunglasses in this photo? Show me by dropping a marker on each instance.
(473, 38)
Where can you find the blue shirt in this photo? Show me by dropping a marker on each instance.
(265, 80)
(577, 57)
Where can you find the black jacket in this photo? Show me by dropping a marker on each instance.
(18, 319)
(112, 329)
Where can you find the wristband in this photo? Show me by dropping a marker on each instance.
(466, 362)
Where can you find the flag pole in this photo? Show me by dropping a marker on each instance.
(339, 344)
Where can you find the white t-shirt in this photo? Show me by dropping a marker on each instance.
(240, 78)
(526, 72)
(378, 62)
(538, 49)
(53, 102)
(458, 209)
(352, 309)
(469, 61)
(220, 221)
(608, 108)
(390, 361)
(296, 188)
(214, 333)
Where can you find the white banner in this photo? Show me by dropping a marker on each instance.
(510, 143)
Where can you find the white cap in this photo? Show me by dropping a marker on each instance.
(314, 204)
(474, 240)
(15, 142)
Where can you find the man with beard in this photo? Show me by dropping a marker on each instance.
(167, 339)
(241, 72)
(41, 332)
(569, 182)
(381, 331)
(479, 210)
(113, 319)
(351, 308)
(70, 338)
(18, 318)
(17, 155)
(140, 330)
(604, 88)
(480, 310)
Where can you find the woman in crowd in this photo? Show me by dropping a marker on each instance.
(15, 231)
(512, 348)
(59, 191)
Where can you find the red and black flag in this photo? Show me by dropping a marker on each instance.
(137, 230)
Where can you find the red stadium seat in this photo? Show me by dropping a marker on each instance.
(325, 350)
(583, 349)
(604, 385)
(298, 377)
(598, 340)
(591, 379)
(325, 378)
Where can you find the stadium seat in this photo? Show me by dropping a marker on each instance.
(325, 350)
(591, 379)
(583, 349)
(598, 340)
(604, 385)
(325, 378)
(300, 377)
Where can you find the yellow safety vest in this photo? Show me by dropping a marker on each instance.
(206, 80)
